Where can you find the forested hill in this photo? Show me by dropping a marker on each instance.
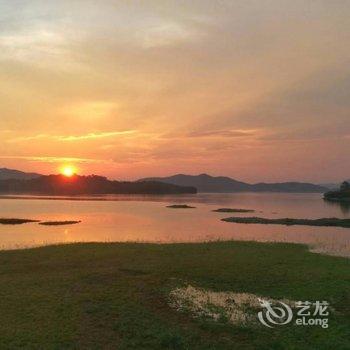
(77, 185)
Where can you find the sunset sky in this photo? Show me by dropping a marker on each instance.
(258, 90)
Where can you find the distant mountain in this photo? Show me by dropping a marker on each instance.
(87, 185)
(296, 187)
(204, 182)
(6, 174)
(207, 183)
(330, 185)
(333, 186)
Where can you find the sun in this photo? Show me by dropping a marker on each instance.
(68, 170)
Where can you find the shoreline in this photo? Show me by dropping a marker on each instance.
(312, 248)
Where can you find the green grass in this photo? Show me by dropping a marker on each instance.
(115, 296)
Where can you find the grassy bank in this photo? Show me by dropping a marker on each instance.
(109, 296)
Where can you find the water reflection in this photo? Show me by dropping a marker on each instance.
(343, 205)
(146, 218)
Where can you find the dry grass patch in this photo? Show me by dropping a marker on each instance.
(235, 308)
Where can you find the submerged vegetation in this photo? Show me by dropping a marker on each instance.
(233, 210)
(289, 222)
(56, 223)
(118, 295)
(14, 221)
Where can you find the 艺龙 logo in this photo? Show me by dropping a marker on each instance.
(307, 313)
(274, 315)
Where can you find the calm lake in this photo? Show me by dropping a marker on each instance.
(146, 219)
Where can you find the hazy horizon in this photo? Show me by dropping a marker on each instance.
(255, 90)
(178, 173)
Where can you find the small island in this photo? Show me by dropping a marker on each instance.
(335, 222)
(343, 194)
(233, 210)
(58, 223)
(15, 221)
(180, 206)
